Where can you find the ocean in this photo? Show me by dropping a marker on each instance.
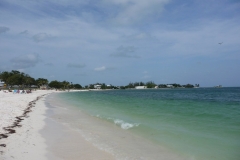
(194, 124)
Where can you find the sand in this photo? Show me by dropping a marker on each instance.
(27, 134)
(27, 142)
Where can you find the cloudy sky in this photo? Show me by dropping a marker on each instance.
(122, 41)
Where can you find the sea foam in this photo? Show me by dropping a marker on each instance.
(121, 123)
(125, 125)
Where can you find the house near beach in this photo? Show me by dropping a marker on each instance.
(170, 86)
(97, 86)
(140, 87)
(2, 84)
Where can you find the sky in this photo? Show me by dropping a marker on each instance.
(121, 41)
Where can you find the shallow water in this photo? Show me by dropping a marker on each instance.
(67, 125)
(198, 124)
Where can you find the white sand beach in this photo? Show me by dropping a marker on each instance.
(21, 138)
(26, 143)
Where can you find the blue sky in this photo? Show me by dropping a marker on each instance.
(122, 41)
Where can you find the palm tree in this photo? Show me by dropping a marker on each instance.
(65, 84)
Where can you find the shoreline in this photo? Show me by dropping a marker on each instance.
(29, 133)
(54, 130)
(99, 138)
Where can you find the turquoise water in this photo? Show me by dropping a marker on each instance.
(202, 123)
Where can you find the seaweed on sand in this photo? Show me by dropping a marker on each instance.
(16, 123)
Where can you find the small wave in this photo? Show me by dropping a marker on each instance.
(125, 125)
(121, 123)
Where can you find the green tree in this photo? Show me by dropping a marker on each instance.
(130, 85)
(16, 78)
(188, 86)
(55, 84)
(122, 87)
(176, 85)
(4, 76)
(77, 86)
(91, 86)
(13, 80)
(65, 84)
(150, 84)
(29, 81)
(41, 81)
(103, 86)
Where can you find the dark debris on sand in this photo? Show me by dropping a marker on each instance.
(10, 129)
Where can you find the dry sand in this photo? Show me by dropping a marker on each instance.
(25, 138)
(26, 143)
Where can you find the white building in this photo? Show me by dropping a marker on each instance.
(140, 87)
(1, 83)
(97, 86)
(170, 86)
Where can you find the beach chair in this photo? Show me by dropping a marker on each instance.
(28, 91)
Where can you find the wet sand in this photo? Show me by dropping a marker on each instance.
(81, 136)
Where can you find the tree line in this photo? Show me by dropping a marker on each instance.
(26, 81)
(151, 84)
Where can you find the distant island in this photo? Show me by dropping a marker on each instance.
(16, 79)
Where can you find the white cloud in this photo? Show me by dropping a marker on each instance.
(100, 68)
(25, 61)
(41, 37)
(136, 11)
